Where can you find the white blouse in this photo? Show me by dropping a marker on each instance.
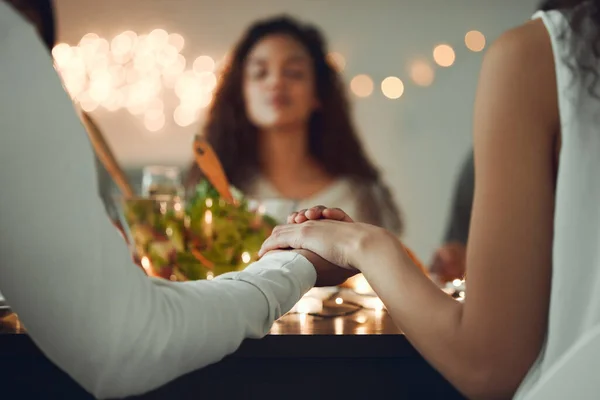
(575, 296)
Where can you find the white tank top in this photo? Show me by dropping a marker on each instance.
(575, 295)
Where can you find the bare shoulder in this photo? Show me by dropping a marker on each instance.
(529, 41)
(519, 68)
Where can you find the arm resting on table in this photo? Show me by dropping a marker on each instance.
(66, 271)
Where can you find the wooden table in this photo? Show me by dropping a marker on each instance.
(359, 355)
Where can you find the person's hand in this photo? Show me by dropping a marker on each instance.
(336, 214)
(328, 274)
(449, 262)
(340, 243)
(318, 212)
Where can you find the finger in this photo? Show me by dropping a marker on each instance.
(315, 212)
(281, 238)
(299, 216)
(337, 214)
(291, 218)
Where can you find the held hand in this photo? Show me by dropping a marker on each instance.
(328, 274)
(316, 213)
(338, 242)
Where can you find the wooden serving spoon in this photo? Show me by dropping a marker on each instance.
(211, 167)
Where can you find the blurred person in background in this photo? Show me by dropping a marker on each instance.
(290, 134)
(449, 260)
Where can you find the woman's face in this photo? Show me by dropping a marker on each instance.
(279, 84)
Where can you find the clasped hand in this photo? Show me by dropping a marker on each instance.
(330, 239)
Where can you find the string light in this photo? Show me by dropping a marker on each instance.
(204, 64)
(62, 54)
(421, 73)
(475, 41)
(392, 87)
(86, 102)
(88, 38)
(362, 85)
(154, 123)
(158, 38)
(122, 44)
(177, 41)
(130, 70)
(444, 55)
(185, 116)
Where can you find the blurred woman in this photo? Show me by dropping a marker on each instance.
(280, 123)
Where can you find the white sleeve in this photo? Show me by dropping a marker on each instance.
(65, 270)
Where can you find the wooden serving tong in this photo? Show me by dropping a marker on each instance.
(106, 156)
(211, 167)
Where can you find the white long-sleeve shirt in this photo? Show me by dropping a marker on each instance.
(86, 306)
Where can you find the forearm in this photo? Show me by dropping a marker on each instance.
(128, 335)
(198, 323)
(429, 317)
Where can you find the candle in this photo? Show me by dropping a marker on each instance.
(321, 293)
(147, 266)
(360, 285)
(304, 324)
(246, 257)
(338, 326)
(208, 229)
(371, 302)
(360, 330)
(308, 305)
(177, 207)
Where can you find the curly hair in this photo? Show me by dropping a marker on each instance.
(45, 12)
(333, 140)
(584, 34)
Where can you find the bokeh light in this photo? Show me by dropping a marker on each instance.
(475, 41)
(362, 85)
(392, 87)
(421, 73)
(444, 55)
